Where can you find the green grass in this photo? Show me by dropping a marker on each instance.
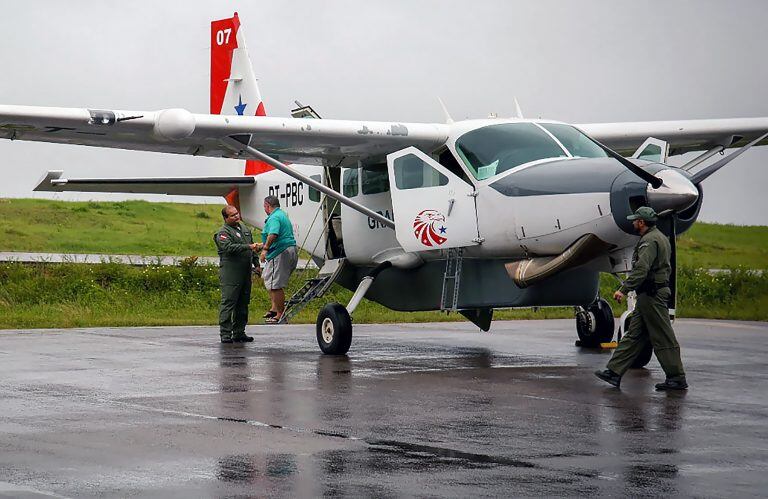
(144, 228)
(716, 246)
(109, 294)
(126, 227)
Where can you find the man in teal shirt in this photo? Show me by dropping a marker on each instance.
(278, 255)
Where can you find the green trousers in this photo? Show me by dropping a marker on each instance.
(649, 323)
(233, 309)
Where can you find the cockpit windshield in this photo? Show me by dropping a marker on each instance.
(578, 144)
(493, 149)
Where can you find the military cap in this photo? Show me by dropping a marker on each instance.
(644, 213)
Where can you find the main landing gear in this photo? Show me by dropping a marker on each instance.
(334, 329)
(334, 322)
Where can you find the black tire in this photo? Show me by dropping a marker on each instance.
(644, 358)
(594, 324)
(334, 329)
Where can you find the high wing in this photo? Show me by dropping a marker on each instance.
(186, 186)
(340, 142)
(682, 136)
(180, 132)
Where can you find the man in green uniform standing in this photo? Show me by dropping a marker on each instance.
(279, 255)
(650, 320)
(235, 246)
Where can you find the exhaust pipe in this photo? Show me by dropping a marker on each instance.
(528, 272)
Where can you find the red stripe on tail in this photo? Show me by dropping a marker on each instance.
(223, 42)
(252, 166)
(260, 111)
(233, 198)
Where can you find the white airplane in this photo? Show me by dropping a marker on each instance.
(463, 216)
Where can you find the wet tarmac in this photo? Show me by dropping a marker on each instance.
(430, 410)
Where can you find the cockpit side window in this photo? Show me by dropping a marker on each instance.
(446, 158)
(494, 149)
(576, 142)
(411, 172)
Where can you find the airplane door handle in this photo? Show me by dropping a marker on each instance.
(450, 206)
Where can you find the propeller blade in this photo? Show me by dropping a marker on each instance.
(648, 177)
(699, 176)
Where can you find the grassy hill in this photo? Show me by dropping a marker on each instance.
(72, 295)
(126, 227)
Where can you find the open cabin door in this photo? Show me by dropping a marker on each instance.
(433, 208)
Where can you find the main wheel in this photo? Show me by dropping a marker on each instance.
(594, 324)
(334, 329)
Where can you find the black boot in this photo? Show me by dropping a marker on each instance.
(242, 339)
(226, 340)
(609, 377)
(676, 383)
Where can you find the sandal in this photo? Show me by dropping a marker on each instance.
(272, 320)
(269, 314)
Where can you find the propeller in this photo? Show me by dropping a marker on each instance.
(648, 177)
(667, 222)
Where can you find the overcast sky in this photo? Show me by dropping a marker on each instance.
(575, 61)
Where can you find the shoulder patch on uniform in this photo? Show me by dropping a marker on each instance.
(223, 236)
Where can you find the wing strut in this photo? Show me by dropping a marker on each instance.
(699, 159)
(700, 175)
(239, 143)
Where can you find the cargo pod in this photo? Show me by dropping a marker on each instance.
(433, 208)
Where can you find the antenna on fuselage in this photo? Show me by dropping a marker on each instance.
(448, 118)
(518, 110)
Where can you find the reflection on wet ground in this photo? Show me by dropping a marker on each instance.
(413, 410)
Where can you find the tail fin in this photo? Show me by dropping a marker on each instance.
(234, 90)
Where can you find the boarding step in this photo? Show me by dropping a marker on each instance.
(313, 288)
(452, 280)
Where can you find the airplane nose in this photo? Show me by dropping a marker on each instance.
(676, 193)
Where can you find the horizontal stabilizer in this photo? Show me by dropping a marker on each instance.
(185, 186)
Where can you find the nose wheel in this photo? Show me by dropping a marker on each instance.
(594, 324)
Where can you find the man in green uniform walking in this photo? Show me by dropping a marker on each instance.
(650, 320)
(235, 245)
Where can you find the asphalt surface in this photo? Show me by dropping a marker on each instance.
(415, 410)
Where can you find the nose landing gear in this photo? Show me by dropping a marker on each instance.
(594, 324)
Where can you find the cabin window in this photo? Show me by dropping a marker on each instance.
(350, 182)
(494, 149)
(413, 173)
(374, 179)
(314, 194)
(577, 143)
